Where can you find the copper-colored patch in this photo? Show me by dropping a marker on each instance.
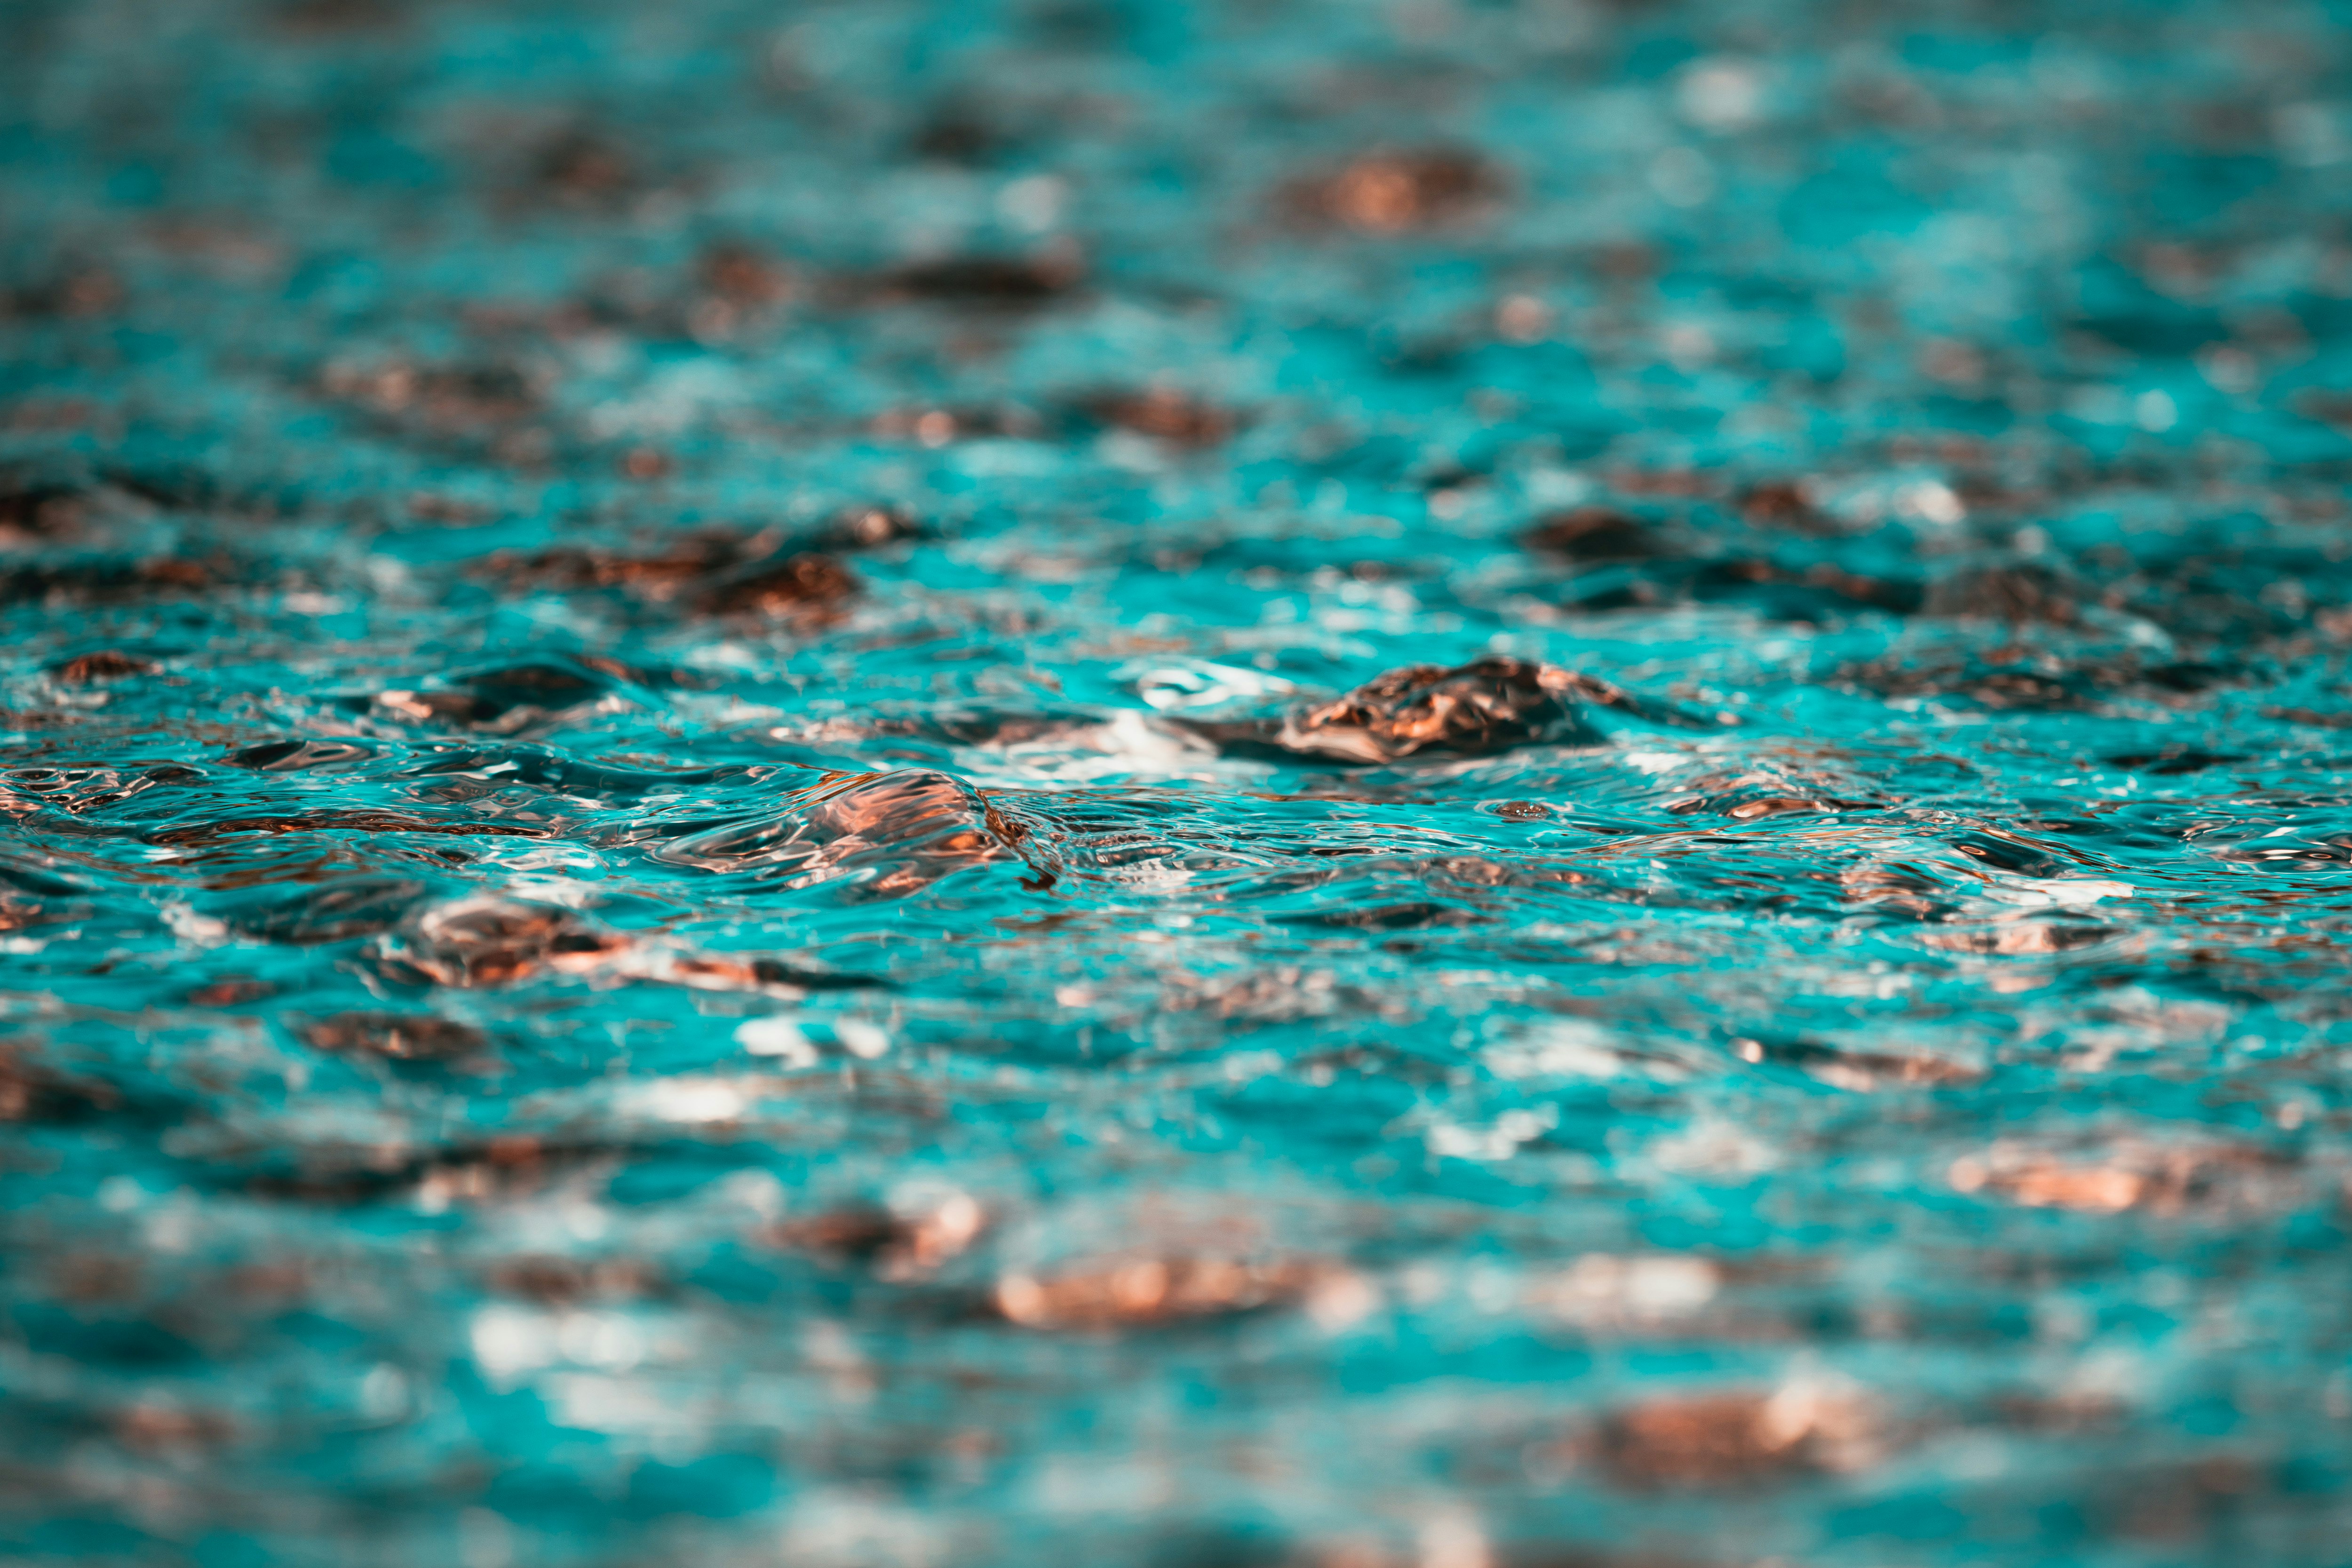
(402, 1037)
(798, 585)
(896, 1244)
(230, 993)
(2214, 1178)
(1398, 191)
(1859, 1072)
(1478, 708)
(427, 507)
(1165, 414)
(491, 941)
(1142, 1292)
(646, 463)
(1736, 1438)
(560, 1281)
(1780, 806)
(106, 665)
(2019, 938)
(869, 526)
(1593, 534)
(657, 577)
(1781, 503)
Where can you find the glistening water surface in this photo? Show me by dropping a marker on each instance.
(1277, 786)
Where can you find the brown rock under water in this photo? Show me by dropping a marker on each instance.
(509, 699)
(1145, 1292)
(1397, 192)
(555, 1281)
(1782, 503)
(1594, 533)
(2215, 1179)
(1176, 418)
(1474, 710)
(896, 1244)
(798, 585)
(894, 833)
(1738, 1438)
(486, 940)
(107, 664)
(658, 576)
(402, 1037)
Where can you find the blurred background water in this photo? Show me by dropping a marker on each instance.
(687, 880)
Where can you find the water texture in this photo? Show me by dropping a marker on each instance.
(1276, 785)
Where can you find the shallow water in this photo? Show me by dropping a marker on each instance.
(682, 883)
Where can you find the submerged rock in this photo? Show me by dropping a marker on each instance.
(1736, 1438)
(896, 1243)
(553, 1281)
(107, 664)
(2209, 1180)
(1783, 504)
(1146, 1292)
(1423, 709)
(1163, 412)
(721, 572)
(1398, 191)
(659, 577)
(404, 1036)
(792, 585)
(501, 700)
(494, 942)
(886, 834)
(109, 577)
(1594, 533)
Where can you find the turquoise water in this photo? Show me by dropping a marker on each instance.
(689, 877)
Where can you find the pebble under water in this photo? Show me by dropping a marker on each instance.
(1292, 785)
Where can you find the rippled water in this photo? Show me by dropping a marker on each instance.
(715, 854)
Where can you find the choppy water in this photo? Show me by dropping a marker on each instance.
(682, 884)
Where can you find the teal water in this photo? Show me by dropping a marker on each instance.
(687, 879)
